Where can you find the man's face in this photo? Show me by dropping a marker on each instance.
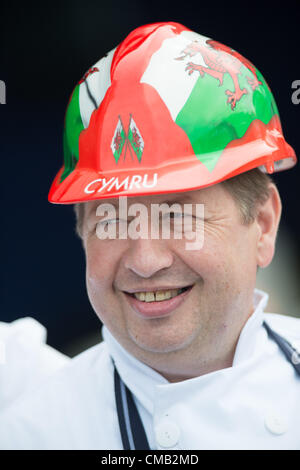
(218, 280)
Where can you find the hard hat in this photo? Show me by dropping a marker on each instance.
(168, 110)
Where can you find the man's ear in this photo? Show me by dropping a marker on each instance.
(267, 219)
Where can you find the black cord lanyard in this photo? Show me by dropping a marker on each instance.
(290, 353)
(131, 427)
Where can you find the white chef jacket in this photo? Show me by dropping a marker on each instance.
(25, 358)
(252, 405)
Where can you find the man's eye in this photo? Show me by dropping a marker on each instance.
(180, 215)
(111, 221)
(175, 215)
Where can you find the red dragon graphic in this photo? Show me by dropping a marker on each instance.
(136, 138)
(218, 64)
(89, 72)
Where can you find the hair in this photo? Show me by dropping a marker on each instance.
(79, 215)
(249, 190)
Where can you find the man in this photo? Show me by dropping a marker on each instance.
(189, 359)
(25, 359)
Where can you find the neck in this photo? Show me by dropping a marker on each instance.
(209, 350)
(195, 360)
(178, 369)
(202, 356)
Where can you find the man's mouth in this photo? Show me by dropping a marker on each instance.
(160, 302)
(158, 295)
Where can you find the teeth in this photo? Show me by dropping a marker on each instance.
(157, 296)
(160, 295)
(149, 296)
(168, 294)
(140, 295)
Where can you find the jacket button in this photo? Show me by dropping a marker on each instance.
(276, 424)
(167, 433)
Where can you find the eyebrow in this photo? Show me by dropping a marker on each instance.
(101, 201)
(179, 200)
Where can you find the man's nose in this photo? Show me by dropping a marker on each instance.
(146, 257)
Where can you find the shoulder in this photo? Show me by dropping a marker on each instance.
(77, 375)
(284, 323)
(23, 328)
(67, 409)
(286, 326)
(25, 358)
(27, 334)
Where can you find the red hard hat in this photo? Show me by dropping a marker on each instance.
(168, 110)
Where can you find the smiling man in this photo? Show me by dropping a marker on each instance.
(172, 120)
(167, 305)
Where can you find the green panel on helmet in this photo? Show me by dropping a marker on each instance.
(211, 123)
(72, 130)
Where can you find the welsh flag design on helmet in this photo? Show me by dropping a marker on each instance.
(132, 140)
(167, 110)
(118, 141)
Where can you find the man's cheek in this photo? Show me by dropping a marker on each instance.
(207, 262)
(95, 277)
